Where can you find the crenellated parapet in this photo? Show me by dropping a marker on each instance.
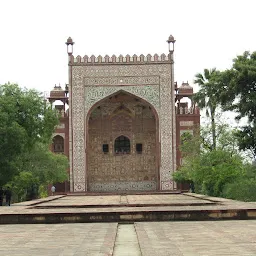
(127, 59)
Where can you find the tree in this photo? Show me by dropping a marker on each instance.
(226, 138)
(243, 188)
(238, 94)
(247, 138)
(38, 169)
(207, 98)
(25, 119)
(210, 170)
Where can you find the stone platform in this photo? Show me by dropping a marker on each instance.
(126, 209)
(127, 225)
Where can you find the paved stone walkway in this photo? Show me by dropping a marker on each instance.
(208, 238)
(126, 241)
(187, 238)
(57, 239)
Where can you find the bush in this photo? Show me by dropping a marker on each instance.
(211, 171)
(242, 190)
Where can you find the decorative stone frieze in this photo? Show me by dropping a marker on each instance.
(121, 81)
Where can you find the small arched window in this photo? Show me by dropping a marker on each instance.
(122, 145)
(58, 144)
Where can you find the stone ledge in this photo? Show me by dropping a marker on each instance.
(130, 217)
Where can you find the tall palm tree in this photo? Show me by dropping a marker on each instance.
(207, 97)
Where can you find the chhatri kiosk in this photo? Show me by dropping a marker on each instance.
(123, 124)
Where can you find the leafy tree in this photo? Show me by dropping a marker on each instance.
(216, 169)
(38, 169)
(247, 138)
(207, 97)
(225, 137)
(243, 188)
(190, 143)
(210, 170)
(238, 94)
(25, 119)
(21, 183)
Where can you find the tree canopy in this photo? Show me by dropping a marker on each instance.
(215, 165)
(214, 172)
(238, 93)
(37, 170)
(27, 123)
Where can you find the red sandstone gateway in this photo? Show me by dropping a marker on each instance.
(124, 122)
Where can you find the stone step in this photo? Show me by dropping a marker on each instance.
(128, 216)
(126, 209)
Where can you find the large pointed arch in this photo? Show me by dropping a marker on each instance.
(153, 165)
(149, 94)
(97, 103)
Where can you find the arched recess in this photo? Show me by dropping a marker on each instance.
(58, 144)
(127, 117)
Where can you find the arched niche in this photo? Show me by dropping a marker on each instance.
(58, 144)
(122, 144)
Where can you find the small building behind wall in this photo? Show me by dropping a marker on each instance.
(59, 99)
(187, 119)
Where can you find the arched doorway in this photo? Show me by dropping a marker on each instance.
(122, 145)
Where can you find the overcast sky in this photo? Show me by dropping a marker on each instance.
(33, 33)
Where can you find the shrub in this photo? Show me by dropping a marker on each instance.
(242, 190)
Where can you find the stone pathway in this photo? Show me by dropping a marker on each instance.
(126, 241)
(208, 238)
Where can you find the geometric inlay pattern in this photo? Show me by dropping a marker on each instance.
(148, 93)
